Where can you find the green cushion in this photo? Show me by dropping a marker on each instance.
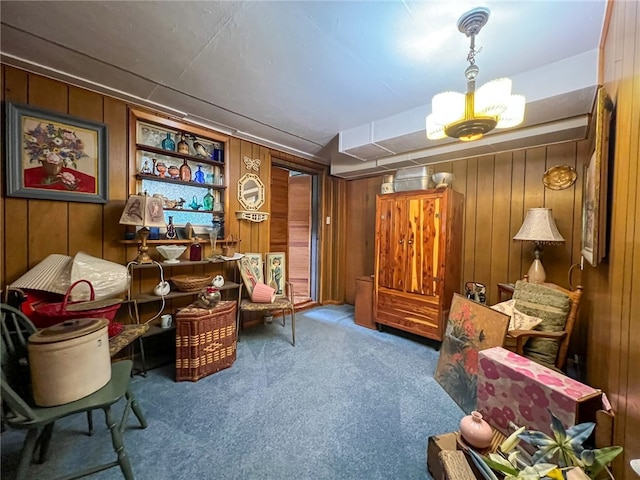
(553, 307)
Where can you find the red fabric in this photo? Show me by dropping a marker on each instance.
(35, 177)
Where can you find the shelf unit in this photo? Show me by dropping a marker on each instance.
(206, 184)
(145, 298)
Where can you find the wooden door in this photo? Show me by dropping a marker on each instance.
(392, 238)
(423, 245)
(279, 208)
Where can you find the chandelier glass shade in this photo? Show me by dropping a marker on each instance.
(468, 116)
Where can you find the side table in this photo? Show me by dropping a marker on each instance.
(505, 291)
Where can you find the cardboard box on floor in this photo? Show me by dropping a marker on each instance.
(436, 444)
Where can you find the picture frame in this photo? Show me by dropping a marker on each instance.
(276, 272)
(471, 327)
(52, 156)
(251, 270)
(594, 194)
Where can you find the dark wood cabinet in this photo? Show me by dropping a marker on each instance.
(418, 259)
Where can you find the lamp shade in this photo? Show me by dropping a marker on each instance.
(539, 227)
(144, 211)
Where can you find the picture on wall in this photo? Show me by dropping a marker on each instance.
(471, 327)
(594, 194)
(51, 156)
(276, 270)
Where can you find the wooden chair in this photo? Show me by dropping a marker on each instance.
(280, 304)
(19, 413)
(518, 338)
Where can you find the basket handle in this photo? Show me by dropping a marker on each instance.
(66, 295)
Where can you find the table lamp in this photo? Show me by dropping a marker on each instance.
(143, 211)
(539, 227)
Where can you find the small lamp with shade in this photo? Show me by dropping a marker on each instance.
(539, 227)
(143, 211)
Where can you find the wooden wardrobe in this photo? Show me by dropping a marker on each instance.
(418, 260)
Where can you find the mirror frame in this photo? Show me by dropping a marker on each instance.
(243, 184)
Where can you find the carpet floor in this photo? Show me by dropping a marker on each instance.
(345, 403)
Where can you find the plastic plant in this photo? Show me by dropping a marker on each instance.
(564, 448)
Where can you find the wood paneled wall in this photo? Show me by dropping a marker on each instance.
(498, 191)
(612, 305)
(34, 229)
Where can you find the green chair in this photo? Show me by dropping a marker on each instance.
(19, 413)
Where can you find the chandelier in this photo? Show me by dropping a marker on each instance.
(470, 115)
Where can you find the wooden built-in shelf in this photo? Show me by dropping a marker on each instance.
(150, 297)
(175, 241)
(157, 178)
(171, 153)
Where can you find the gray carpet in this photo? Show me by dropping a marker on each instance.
(344, 403)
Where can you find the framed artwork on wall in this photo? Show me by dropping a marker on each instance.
(51, 156)
(276, 271)
(594, 194)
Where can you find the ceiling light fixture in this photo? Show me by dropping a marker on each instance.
(469, 116)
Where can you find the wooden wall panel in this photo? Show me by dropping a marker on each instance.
(32, 229)
(15, 222)
(361, 197)
(498, 190)
(614, 325)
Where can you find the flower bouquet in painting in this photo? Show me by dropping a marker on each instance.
(59, 151)
(471, 327)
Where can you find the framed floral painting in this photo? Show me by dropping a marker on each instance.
(471, 327)
(51, 156)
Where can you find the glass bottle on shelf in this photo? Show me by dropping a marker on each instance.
(183, 146)
(168, 143)
(199, 175)
(195, 251)
(185, 171)
(171, 229)
(207, 201)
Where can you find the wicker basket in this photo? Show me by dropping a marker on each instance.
(190, 283)
(205, 340)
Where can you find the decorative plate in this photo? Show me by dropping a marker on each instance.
(559, 177)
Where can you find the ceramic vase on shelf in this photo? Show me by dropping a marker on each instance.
(173, 172)
(199, 175)
(171, 229)
(185, 171)
(183, 146)
(475, 431)
(168, 143)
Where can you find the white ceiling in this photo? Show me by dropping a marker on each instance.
(317, 78)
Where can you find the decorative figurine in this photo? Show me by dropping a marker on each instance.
(200, 150)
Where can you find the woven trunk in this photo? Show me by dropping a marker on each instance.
(205, 340)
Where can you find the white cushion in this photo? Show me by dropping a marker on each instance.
(518, 320)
